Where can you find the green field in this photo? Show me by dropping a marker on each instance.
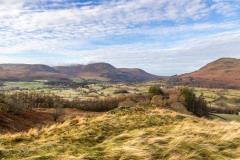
(100, 90)
(227, 117)
(215, 97)
(225, 98)
(23, 85)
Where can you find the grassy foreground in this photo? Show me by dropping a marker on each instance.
(127, 133)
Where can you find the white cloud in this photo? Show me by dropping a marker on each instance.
(63, 28)
(104, 19)
(186, 56)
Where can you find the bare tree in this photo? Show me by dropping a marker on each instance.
(58, 111)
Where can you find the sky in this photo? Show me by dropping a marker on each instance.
(163, 37)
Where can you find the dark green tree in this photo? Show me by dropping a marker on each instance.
(196, 105)
(155, 90)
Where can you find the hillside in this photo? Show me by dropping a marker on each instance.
(94, 70)
(14, 72)
(137, 134)
(28, 68)
(102, 71)
(23, 121)
(138, 74)
(108, 72)
(224, 70)
(36, 117)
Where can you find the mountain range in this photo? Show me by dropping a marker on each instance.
(224, 71)
(103, 71)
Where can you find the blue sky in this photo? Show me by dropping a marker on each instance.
(163, 37)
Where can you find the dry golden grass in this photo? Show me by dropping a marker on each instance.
(127, 133)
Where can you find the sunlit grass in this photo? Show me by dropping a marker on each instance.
(136, 133)
(24, 85)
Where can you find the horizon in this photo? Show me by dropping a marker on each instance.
(57, 65)
(163, 38)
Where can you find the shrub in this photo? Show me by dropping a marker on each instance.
(4, 107)
(158, 101)
(128, 103)
(179, 107)
(155, 90)
(14, 107)
(121, 91)
(174, 96)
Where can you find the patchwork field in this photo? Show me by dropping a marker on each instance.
(23, 85)
(218, 99)
(92, 90)
(223, 98)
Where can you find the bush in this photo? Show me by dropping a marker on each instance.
(121, 91)
(155, 90)
(128, 103)
(179, 107)
(14, 107)
(174, 95)
(4, 107)
(97, 105)
(158, 101)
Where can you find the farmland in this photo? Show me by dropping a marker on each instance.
(216, 98)
(98, 90)
(220, 98)
(221, 101)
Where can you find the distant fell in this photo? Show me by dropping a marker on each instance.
(224, 70)
(107, 71)
(102, 71)
(138, 74)
(28, 68)
(15, 72)
(95, 69)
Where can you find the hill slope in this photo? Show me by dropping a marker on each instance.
(96, 69)
(9, 72)
(224, 70)
(23, 121)
(138, 74)
(107, 71)
(28, 72)
(134, 134)
(28, 68)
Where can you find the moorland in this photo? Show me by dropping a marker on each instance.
(98, 111)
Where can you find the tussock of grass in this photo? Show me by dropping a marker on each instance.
(127, 133)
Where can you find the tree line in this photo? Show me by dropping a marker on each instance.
(185, 96)
(198, 82)
(17, 101)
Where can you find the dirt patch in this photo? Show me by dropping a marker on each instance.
(36, 118)
(23, 121)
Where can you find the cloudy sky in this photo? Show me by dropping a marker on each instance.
(164, 37)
